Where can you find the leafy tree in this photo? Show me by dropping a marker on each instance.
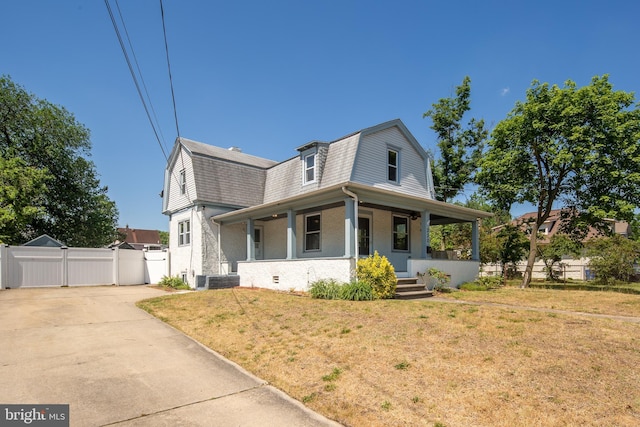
(613, 258)
(22, 189)
(460, 147)
(512, 245)
(552, 253)
(579, 147)
(73, 207)
(164, 237)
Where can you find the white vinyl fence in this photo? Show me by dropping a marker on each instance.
(27, 266)
(574, 269)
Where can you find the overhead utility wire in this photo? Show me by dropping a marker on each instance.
(166, 49)
(133, 75)
(135, 59)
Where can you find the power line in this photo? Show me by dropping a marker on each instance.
(166, 49)
(135, 59)
(133, 75)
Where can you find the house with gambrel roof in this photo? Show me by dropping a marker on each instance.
(283, 225)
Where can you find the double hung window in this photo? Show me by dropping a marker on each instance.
(392, 165)
(309, 168)
(184, 233)
(312, 232)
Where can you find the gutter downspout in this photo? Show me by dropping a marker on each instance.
(355, 213)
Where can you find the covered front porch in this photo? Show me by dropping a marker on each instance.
(291, 244)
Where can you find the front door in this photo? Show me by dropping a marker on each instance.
(364, 236)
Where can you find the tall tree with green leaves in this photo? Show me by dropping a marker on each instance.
(569, 146)
(460, 146)
(22, 190)
(51, 147)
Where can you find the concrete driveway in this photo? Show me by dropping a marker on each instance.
(114, 364)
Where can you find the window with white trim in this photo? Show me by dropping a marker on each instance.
(312, 232)
(184, 233)
(392, 165)
(183, 181)
(309, 168)
(400, 233)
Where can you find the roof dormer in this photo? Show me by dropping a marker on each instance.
(313, 156)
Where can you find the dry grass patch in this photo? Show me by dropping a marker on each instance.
(612, 303)
(400, 363)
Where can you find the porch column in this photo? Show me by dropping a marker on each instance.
(251, 246)
(291, 234)
(426, 237)
(349, 227)
(475, 241)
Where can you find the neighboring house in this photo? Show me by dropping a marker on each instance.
(44, 241)
(286, 224)
(139, 238)
(570, 268)
(553, 225)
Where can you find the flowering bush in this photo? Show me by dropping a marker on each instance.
(379, 273)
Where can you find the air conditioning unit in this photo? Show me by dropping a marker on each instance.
(223, 281)
(201, 282)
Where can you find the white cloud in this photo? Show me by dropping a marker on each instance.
(504, 91)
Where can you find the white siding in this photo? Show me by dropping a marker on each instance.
(176, 200)
(371, 163)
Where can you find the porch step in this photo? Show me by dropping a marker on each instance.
(409, 288)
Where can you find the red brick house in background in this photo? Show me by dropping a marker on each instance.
(139, 238)
(553, 225)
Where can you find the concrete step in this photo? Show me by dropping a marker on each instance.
(413, 295)
(411, 288)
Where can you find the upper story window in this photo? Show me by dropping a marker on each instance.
(183, 181)
(392, 165)
(184, 233)
(312, 232)
(309, 168)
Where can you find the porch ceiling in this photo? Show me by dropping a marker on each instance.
(440, 212)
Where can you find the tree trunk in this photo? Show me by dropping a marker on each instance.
(528, 272)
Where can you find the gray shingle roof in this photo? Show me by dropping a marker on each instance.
(226, 154)
(237, 179)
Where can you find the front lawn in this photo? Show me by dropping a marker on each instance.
(411, 363)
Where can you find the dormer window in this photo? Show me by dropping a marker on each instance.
(392, 165)
(309, 168)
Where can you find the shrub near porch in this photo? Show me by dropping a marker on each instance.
(379, 273)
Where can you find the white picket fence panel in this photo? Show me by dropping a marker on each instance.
(25, 266)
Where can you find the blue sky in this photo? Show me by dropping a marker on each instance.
(270, 76)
